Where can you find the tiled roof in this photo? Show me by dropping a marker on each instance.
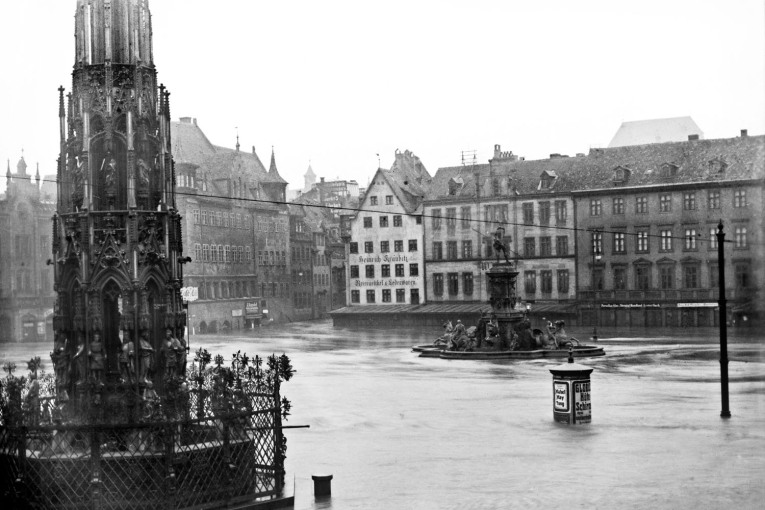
(189, 143)
(409, 180)
(696, 161)
(641, 132)
(191, 146)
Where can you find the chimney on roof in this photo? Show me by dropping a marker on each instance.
(692, 138)
(185, 120)
(253, 149)
(321, 179)
(744, 133)
(195, 121)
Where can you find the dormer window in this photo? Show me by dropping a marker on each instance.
(547, 179)
(668, 170)
(621, 175)
(455, 184)
(717, 166)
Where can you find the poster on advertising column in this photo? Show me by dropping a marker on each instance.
(582, 404)
(560, 395)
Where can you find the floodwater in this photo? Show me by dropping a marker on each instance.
(402, 432)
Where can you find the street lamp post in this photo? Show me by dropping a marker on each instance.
(596, 256)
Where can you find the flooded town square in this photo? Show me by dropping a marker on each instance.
(400, 431)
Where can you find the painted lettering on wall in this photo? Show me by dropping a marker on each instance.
(384, 283)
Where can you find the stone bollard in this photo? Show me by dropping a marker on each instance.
(322, 485)
(571, 392)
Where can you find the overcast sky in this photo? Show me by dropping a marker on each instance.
(338, 82)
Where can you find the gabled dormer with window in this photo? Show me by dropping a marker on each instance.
(455, 185)
(668, 170)
(717, 166)
(547, 180)
(621, 175)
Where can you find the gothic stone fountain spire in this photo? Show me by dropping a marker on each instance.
(116, 231)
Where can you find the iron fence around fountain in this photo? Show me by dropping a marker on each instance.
(206, 460)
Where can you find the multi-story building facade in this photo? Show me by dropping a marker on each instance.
(647, 217)
(523, 201)
(302, 257)
(238, 240)
(385, 250)
(26, 278)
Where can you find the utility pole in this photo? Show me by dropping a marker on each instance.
(722, 304)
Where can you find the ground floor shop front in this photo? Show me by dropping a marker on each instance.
(670, 315)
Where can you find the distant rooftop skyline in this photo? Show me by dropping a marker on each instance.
(326, 84)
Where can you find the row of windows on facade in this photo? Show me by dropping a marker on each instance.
(383, 221)
(369, 270)
(236, 220)
(499, 213)
(24, 246)
(454, 253)
(222, 253)
(239, 289)
(238, 188)
(387, 294)
(689, 202)
(24, 283)
(369, 246)
(690, 241)
(388, 200)
(545, 278)
(691, 276)
(301, 299)
(301, 277)
(238, 254)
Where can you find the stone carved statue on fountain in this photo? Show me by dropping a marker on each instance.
(60, 359)
(146, 362)
(170, 348)
(96, 355)
(144, 173)
(127, 361)
(182, 356)
(80, 361)
(109, 169)
(78, 174)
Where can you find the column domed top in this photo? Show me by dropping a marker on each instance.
(116, 31)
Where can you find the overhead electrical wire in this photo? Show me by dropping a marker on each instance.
(493, 223)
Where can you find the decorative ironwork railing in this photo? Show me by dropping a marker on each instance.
(214, 444)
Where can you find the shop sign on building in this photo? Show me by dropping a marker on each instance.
(252, 309)
(630, 305)
(697, 305)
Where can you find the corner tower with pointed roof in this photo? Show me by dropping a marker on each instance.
(116, 241)
(309, 179)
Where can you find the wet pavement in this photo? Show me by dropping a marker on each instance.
(399, 432)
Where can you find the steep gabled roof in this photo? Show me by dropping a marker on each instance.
(189, 143)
